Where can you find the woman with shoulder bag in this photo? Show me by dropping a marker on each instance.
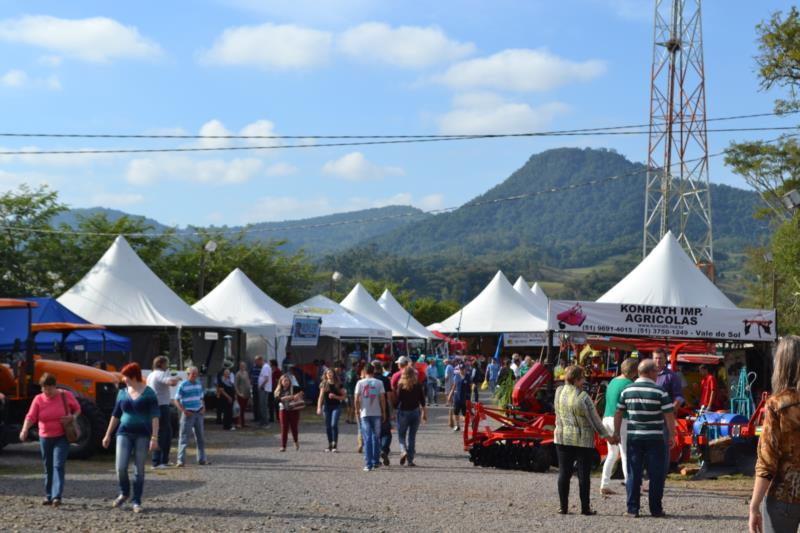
(290, 402)
(51, 410)
(243, 390)
(331, 396)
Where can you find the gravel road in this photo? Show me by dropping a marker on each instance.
(252, 486)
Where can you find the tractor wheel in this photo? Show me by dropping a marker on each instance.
(542, 459)
(91, 424)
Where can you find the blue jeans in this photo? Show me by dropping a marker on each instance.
(332, 415)
(54, 456)
(191, 422)
(161, 455)
(641, 454)
(370, 433)
(432, 385)
(386, 436)
(127, 445)
(408, 423)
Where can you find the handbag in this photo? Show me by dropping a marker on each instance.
(70, 425)
(293, 404)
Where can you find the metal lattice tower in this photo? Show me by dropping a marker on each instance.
(678, 196)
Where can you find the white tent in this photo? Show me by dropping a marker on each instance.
(499, 308)
(120, 290)
(360, 301)
(534, 305)
(390, 304)
(239, 303)
(667, 276)
(343, 322)
(541, 298)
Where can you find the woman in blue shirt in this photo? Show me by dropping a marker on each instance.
(136, 413)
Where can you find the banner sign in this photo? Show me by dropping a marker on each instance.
(305, 330)
(641, 320)
(524, 339)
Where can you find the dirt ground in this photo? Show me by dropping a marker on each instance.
(252, 486)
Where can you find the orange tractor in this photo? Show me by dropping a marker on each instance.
(95, 389)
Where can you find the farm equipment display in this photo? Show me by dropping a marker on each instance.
(722, 442)
(95, 389)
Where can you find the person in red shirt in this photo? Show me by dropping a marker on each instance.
(47, 410)
(709, 389)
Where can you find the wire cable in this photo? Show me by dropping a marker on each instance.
(379, 136)
(291, 227)
(356, 143)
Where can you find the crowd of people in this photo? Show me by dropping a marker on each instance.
(638, 421)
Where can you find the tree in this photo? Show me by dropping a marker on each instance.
(287, 278)
(773, 169)
(28, 246)
(85, 244)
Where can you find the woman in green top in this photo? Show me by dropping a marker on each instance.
(615, 387)
(576, 423)
(136, 413)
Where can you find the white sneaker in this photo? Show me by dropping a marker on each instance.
(161, 467)
(119, 501)
(137, 508)
(456, 429)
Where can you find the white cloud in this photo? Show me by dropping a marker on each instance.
(278, 208)
(271, 47)
(431, 202)
(18, 79)
(214, 128)
(355, 167)
(260, 128)
(110, 199)
(487, 113)
(51, 60)
(14, 78)
(281, 169)
(404, 46)
(97, 39)
(522, 70)
(147, 171)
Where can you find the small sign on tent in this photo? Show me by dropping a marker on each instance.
(525, 339)
(305, 330)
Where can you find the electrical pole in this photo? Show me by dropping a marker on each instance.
(677, 195)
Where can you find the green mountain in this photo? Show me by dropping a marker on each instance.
(569, 217)
(317, 235)
(332, 233)
(579, 224)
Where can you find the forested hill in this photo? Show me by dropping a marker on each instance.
(332, 233)
(317, 235)
(576, 226)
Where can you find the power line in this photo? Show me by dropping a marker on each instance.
(360, 143)
(211, 233)
(371, 136)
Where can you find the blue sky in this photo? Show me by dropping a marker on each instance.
(314, 67)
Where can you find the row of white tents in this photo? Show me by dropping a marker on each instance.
(666, 277)
(121, 291)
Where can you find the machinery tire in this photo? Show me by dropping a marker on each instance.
(90, 422)
(542, 459)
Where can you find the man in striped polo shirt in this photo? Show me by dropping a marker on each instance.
(189, 401)
(649, 408)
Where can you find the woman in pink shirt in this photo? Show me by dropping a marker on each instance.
(47, 410)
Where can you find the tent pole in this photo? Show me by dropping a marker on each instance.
(179, 348)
